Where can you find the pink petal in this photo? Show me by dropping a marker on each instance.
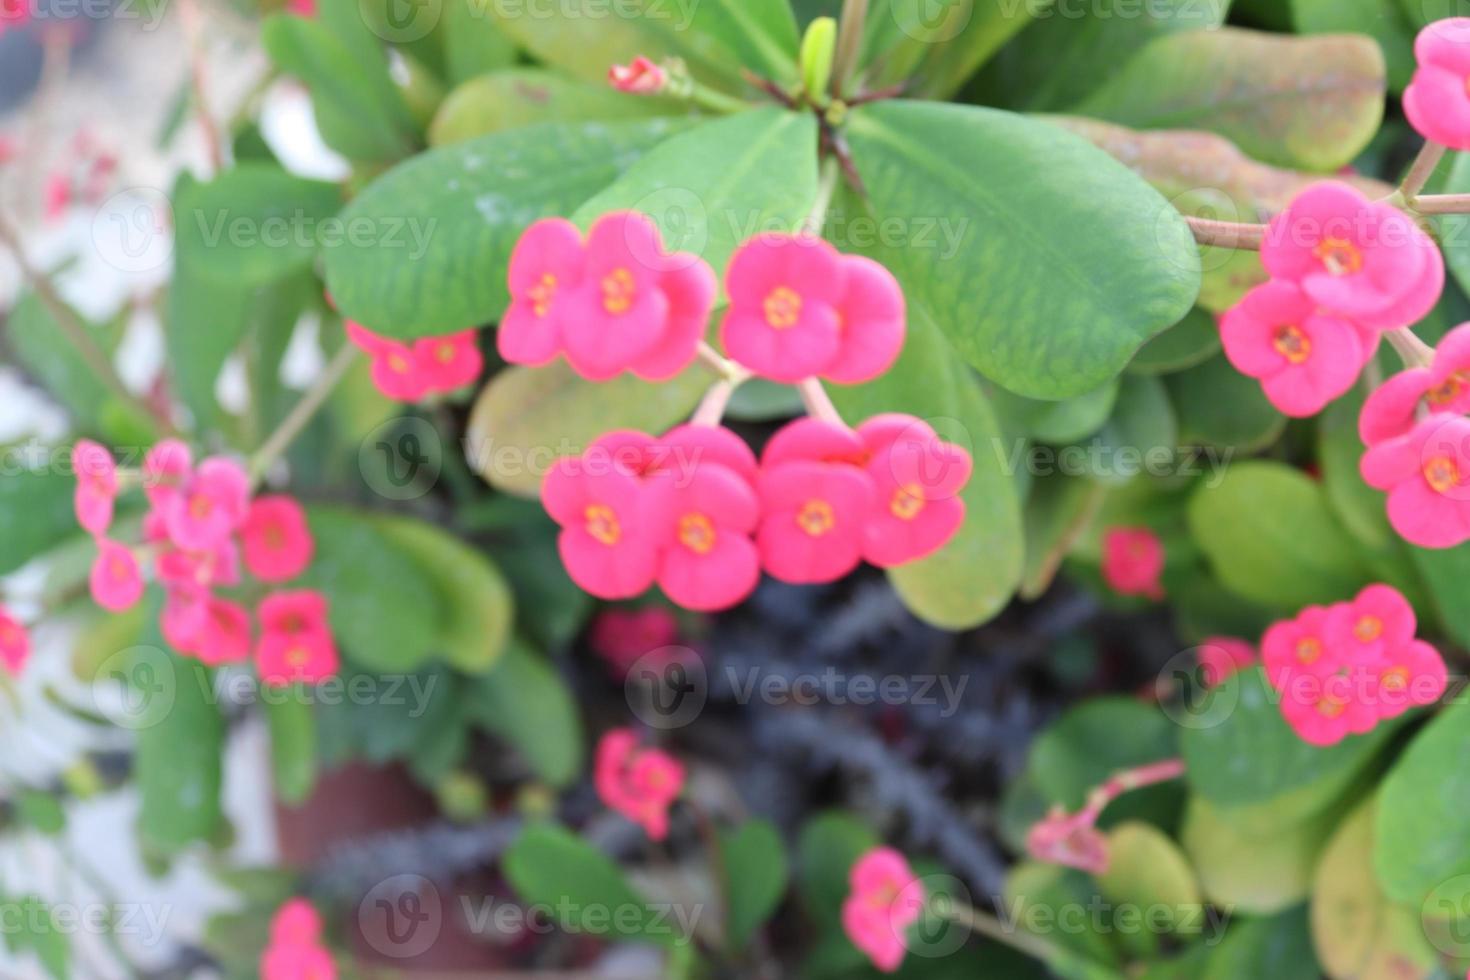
(872, 318)
(1389, 411)
(1445, 44)
(1438, 106)
(718, 580)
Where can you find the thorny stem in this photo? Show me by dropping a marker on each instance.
(1410, 349)
(826, 187)
(301, 413)
(194, 40)
(1228, 234)
(1420, 171)
(75, 331)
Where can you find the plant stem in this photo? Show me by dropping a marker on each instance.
(1410, 349)
(818, 405)
(194, 41)
(826, 187)
(850, 30)
(708, 98)
(1227, 234)
(76, 332)
(1420, 171)
(712, 409)
(988, 925)
(1442, 204)
(301, 413)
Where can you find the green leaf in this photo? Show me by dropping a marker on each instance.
(1069, 51)
(516, 97)
(1039, 897)
(449, 218)
(1146, 867)
(1253, 757)
(829, 845)
(40, 811)
(1060, 423)
(253, 224)
(1218, 406)
(1259, 868)
(1065, 261)
(1423, 816)
(1311, 102)
(357, 106)
(473, 42)
(553, 868)
(713, 187)
(34, 928)
(479, 612)
(1058, 509)
(1358, 931)
(1455, 228)
(178, 758)
(1381, 20)
(1140, 432)
(1269, 534)
(1191, 341)
(526, 703)
(292, 723)
(36, 512)
(1092, 742)
(383, 607)
(935, 47)
(1446, 574)
(1275, 948)
(527, 418)
(754, 860)
(972, 577)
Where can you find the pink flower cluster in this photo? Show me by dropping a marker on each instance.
(1343, 270)
(884, 899)
(296, 951)
(640, 783)
(1436, 101)
(15, 643)
(1133, 562)
(1342, 669)
(1418, 441)
(614, 303)
(201, 521)
(408, 372)
(695, 512)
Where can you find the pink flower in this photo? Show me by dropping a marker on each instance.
(871, 317)
(689, 445)
(1436, 101)
(622, 636)
(397, 372)
(814, 517)
(1298, 646)
(917, 478)
(1361, 259)
(58, 195)
(223, 635)
(166, 468)
(9, 147)
(783, 321)
(608, 519)
(277, 542)
(642, 77)
(296, 641)
(813, 440)
(296, 923)
(297, 963)
(301, 8)
(1070, 840)
(691, 287)
(1394, 406)
(1303, 358)
(545, 268)
(884, 899)
(1325, 710)
(15, 643)
(619, 311)
(13, 13)
(1409, 676)
(1427, 476)
(1379, 620)
(115, 581)
(640, 783)
(96, 485)
(708, 561)
(211, 505)
(1222, 656)
(199, 569)
(1133, 561)
(451, 361)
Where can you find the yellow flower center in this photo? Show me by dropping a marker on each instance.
(602, 524)
(783, 308)
(1442, 474)
(697, 533)
(298, 657)
(444, 353)
(1331, 705)
(1452, 388)
(1368, 629)
(397, 364)
(542, 293)
(907, 502)
(1308, 649)
(1340, 256)
(618, 291)
(816, 518)
(119, 568)
(200, 506)
(1291, 343)
(1395, 680)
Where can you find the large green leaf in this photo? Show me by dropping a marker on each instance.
(473, 42)
(829, 845)
(1218, 406)
(1423, 816)
(1064, 261)
(478, 609)
(1270, 535)
(527, 418)
(1381, 20)
(753, 857)
(445, 222)
(1252, 756)
(525, 702)
(1446, 574)
(1072, 48)
(515, 97)
(35, 928)
(1259, 870)
(1311, 102)
(717, 37)
(1058, 509)
(383, 606)
(35, 511)
(554, 869)
(292, 722)
(1274, 948)
(1189, 342)
(721, 183)
(935, 46)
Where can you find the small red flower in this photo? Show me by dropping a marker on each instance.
(296, 642)
(640, 783)
(884, 899)
(15, 643)
(1133, 561)
(277, 542)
